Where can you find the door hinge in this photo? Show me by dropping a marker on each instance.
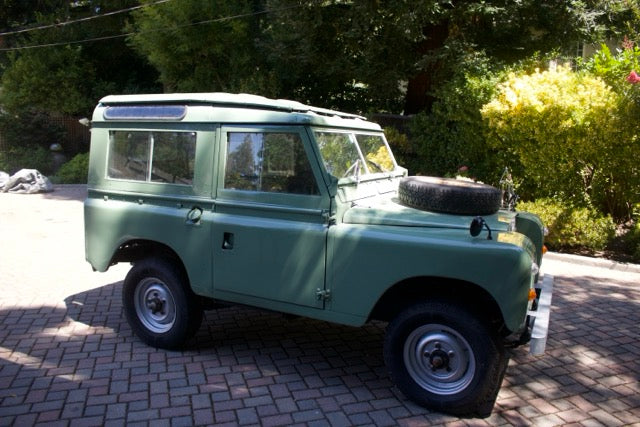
(323, 294)
(328, 218)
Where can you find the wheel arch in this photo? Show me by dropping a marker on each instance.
(137, 249)
(465, 294)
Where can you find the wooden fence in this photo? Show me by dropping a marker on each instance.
(75, 138)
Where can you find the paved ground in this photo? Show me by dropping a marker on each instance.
(67, 356)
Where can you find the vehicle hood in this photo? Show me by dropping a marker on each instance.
(389, 211)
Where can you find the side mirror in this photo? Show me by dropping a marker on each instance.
(477, 224)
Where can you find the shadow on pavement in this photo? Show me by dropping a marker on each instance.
(80, 359)
(77, 192)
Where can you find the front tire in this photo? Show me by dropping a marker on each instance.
(444, 357)
(159, 305)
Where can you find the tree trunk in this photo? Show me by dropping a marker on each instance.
(420, 86)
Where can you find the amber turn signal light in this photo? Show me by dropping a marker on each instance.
(532, 294)
(544, 249)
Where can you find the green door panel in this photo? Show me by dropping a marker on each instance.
(272, 258)
(270, 222)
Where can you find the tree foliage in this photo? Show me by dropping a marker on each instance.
(24, 88)
(452, 135)
(69, 78)
(197, 46)
(359, 56)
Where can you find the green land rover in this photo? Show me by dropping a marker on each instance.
(224, 198)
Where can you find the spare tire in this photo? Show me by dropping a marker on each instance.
(448, 195)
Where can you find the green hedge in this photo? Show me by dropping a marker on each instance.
(31, 157)
(75, 171)
(572, 227)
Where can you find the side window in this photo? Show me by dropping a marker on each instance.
(129, 155)
(173, 157)
(268, 162)
(152, 156)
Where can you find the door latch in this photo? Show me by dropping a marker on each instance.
(323, 294)
(194, 216)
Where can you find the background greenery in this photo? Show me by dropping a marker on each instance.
(467, 84)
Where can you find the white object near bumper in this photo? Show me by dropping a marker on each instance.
(541, 317)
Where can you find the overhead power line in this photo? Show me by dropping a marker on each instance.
(88, 18)
(117, 36)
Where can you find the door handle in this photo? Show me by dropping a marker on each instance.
(194, 215)
(227, 241)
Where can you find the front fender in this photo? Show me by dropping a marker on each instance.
(365, 261)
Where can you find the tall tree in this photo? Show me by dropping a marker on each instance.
(66, 68)
(203, 46)
(368, 55)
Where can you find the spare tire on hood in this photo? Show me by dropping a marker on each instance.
(448, 195)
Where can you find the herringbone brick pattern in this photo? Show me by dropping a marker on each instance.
(68, 357)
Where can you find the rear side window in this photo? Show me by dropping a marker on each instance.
(268, 162)
(167, 157)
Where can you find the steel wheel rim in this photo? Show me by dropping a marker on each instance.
(155, 305)
(439, 359)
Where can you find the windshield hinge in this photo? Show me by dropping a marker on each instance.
(323, 294)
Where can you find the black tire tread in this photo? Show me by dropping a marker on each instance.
(479, 398)
(449, 195)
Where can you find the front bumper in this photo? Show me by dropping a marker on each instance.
(539, 318)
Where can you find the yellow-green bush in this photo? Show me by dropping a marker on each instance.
(571, 142)
(572, 227)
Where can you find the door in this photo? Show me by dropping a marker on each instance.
(270, 222)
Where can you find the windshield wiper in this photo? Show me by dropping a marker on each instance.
(376, 165)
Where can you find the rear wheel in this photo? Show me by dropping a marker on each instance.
(446, 358)
(160, 308)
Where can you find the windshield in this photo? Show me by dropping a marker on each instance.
(353, 154)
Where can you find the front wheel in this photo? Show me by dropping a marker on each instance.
(445, 358)
(160, 308)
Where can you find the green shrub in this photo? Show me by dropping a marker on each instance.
(28, 129)
(75, 171)
(572, 227)
(621, 190)
(636, 241)
(403, 149)
(33, 157)
(452, 134)
(630, 241)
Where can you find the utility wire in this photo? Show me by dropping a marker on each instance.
(89, 18)
(117, 36)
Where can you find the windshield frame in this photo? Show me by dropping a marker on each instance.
(366, 171)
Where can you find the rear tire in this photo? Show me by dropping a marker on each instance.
(159, 305)
(445, 358)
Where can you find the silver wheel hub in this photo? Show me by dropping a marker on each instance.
(155, 306)
(439, 359)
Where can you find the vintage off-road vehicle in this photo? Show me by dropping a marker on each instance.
(274, 204)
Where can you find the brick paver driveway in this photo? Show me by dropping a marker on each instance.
(67, 356)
